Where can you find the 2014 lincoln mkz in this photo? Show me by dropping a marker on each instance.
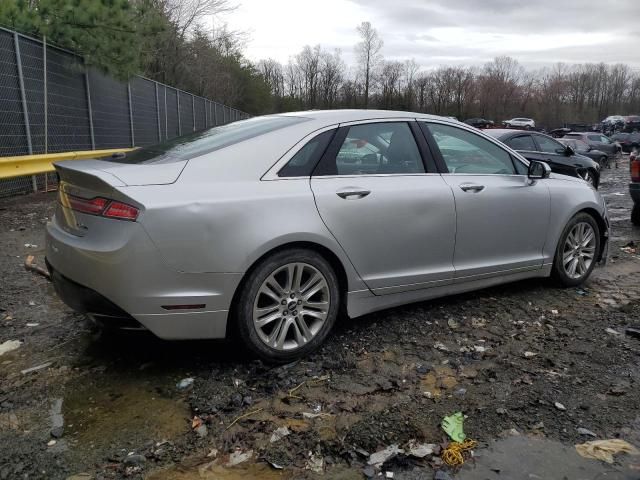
(276, 227)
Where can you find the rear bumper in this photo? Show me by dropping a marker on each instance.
(126, 281)
(634, 191)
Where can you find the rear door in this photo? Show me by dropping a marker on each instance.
(394, 218)
(602, 143)
(501, 216)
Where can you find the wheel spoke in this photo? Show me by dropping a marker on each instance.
(581, 267)
(572, 267)
(314, 313)
(266, 320)
(303, 329)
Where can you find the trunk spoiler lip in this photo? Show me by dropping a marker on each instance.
(115, 175)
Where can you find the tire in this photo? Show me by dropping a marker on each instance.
(566, 250)
(591, 177)
(603, 161)
(635, 214)
(281, 336)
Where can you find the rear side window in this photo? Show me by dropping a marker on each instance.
(305, 160)
(206, 141)
(594, 138)
(523, 142)
(375, 148)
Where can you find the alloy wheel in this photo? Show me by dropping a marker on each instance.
(588, 177)
(291, 306)
(579, 250)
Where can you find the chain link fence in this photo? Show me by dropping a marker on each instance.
(51, 102)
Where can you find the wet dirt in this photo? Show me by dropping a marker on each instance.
(504, 356)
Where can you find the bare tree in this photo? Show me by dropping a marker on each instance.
(368, 52)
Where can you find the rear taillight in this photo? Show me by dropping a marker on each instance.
(102, 207)
(121, 211)
(635, 169)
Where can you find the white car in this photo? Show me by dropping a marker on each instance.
(520, 123)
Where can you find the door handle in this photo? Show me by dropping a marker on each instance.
(353, 192)
(471, 187)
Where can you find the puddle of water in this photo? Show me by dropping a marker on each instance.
(114, 414)
(257, 471)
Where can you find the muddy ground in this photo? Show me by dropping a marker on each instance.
(107, 406)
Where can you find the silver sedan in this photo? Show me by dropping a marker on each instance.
(274, 228)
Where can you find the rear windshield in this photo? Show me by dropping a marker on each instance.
(206, 141)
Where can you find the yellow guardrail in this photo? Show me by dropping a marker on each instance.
(33, 164)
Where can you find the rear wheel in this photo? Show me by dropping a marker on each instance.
(603, 161)
(577, 250)
(288, 305)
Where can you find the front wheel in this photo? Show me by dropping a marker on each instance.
(590, 177)
(288, 305)
(577, 250)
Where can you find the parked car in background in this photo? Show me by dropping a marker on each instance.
(540, 147)
(613, 124)
(526, 123)
(559, 132)
(599, 141)
(628, 141)
(632, 123)
(634, 186)
(587, 150)
(260, 228)
(479, 122)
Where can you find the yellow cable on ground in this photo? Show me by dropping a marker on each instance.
(453, 455)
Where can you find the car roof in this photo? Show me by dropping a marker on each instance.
(502, 132)
(354, 115)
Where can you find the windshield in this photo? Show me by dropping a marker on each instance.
(206, 141)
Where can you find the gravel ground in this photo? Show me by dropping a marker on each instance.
(525, 358)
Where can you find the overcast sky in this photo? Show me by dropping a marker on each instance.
(439, 32)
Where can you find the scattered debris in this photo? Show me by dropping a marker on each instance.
(584, 431)
(134, 460)
(57, 420)
(440, 346)
(243, 416)
(611, 331)
(185, 383)
(29, 265)
(51, 443)
(421, 450)
(238, 457)
(457, 452)
(605, 449)
(315, 463)
(379, 457)
(9, 346)
(560, 406)
(554, 312)
(633, 332)
(36, 368)
(311, 415)
(32, 324)
(279, 434)
(201, 430)
(528, 354)
(453, 426)
(453, 324)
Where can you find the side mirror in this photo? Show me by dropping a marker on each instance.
(568, 151)
(538, 170)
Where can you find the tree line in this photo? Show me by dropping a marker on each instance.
(168, 41)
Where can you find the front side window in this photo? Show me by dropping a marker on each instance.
(604, 139)
(522, 142)
(377, 148)
(594, 138)
(469, 153)
(549, 145)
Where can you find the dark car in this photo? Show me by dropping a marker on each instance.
(561, 159)
(598, 141)
(587, 150)
(479, 122)
(634, 186)
(628, 141)
(632, 123)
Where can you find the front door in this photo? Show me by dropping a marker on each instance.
(395, 221)
(502, 216)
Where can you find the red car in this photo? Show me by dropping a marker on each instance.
(634, 186)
